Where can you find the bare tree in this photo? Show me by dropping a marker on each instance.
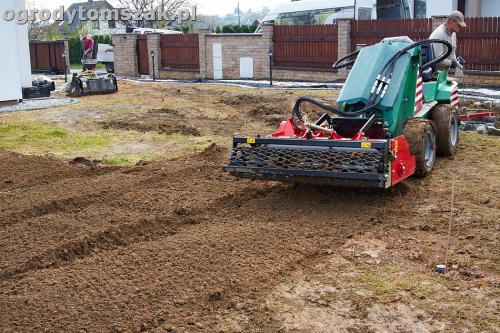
(37, 27)
(167, 7)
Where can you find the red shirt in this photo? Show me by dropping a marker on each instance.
(88, 44)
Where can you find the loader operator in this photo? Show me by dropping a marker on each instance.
(88, 47)
(448, 32)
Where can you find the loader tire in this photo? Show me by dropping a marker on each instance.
(421, 137)
(447, 133)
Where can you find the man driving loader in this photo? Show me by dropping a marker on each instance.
(448, 32)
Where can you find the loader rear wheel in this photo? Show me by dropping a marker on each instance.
(421, 137)
(447, 133)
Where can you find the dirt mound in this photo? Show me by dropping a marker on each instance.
(270, 109)
(83, 161)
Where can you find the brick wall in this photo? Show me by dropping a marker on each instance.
(483, 79)
(307, 75)
(125, 55)
(235, 47)
(67, 60)
(179, 74)
(154, 44)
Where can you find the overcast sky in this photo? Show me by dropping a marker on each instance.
(207, 7)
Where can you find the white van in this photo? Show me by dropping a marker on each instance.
(311, 12)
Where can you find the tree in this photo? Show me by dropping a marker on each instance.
(169, 7)
(37, 27)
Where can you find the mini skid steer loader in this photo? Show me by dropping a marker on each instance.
(89, 82)
(395, 112)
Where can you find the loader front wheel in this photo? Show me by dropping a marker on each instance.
(447, 135)
(421, 136)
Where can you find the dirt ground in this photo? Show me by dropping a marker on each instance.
(177, 245)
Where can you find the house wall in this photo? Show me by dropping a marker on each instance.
(490, 8)
(440, 7)
(104, 28)
(16, 67)
(23, 49)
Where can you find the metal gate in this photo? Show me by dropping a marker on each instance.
(142, 55)
(47, 56)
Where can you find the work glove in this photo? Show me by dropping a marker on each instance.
(454, 64)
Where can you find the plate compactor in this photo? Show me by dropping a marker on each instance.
(395, 112)
(90, 83)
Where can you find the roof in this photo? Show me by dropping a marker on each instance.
(86, 6)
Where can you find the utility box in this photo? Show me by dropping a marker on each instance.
(16, 65)
(246, 68)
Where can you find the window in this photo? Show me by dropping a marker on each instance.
(420, 9)
(112, 24)
(461, 6)
(393, 9)
(364, 14)
(296, 18)
(318, 16)
(95, 24)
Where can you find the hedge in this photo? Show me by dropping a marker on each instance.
(76, 47)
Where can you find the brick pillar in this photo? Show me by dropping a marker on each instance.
(154, 41)
(344, 42)
(68, 63)
(437, 21)
(267, 44)
(202, 33)
(125, 55)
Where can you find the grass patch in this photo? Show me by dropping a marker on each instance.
(42, 138)
(387, 280)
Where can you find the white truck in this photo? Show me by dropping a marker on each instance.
(105, 56)
(311, 12)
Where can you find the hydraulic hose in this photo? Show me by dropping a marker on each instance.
(380, 85)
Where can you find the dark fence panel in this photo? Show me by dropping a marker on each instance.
(142, 55)
(372, 32)
(305, 46)
(47, 56)
(479, 43)
(180, 51)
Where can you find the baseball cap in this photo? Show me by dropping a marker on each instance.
(457, 17)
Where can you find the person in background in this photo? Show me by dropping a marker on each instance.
(88, 47)
(448, 32)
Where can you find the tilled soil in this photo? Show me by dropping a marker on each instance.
(181, 246)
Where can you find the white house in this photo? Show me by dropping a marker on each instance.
(16, 65)
(98, 27)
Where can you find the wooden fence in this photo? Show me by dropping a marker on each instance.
(47, 56)
(307, 46)
(180, 52)
(317, 46)
(142, 55)
(479, 43)
(372, 32)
